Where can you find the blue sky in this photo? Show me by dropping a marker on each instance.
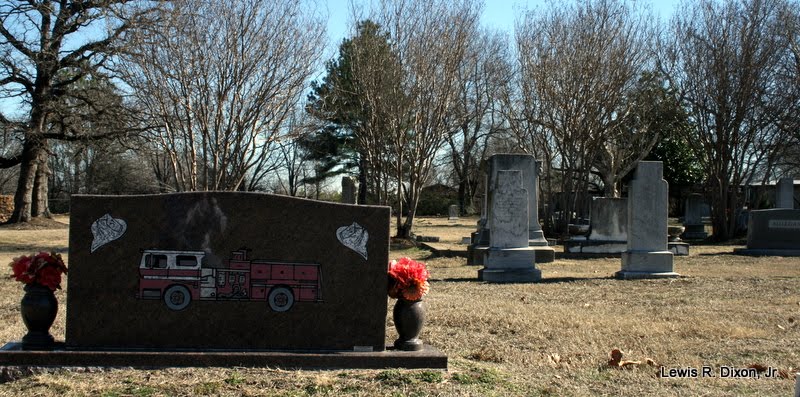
(498, 14)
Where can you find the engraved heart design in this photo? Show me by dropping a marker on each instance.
(107, 229)
(354, 237)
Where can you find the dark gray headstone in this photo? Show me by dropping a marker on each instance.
(349, 191)
(224, 270)
(784, 195)
(694, 211)
(774, 229)
(609, 221)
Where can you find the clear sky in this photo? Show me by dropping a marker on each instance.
(498, 14)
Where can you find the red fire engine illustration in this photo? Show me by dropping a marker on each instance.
(179, 277)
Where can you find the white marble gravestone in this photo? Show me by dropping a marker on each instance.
(509, 257)
(529, 167)
(647, 255)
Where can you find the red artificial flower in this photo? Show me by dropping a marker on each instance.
(408, 279)
(50, 277)
(43, 268)
(21, 266)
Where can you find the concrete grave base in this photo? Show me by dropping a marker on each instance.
(509, 258)
(647, 262)
(510, 275)
(765, 252)
(475, 255)
(595, 246)
(694, 232)
(624, 275)
(544, 254)
(429, 357)
(678, 248)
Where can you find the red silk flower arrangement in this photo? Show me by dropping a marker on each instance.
(43, 268)
(408, 279)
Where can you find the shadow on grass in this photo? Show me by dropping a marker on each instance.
(544, 280)
(35, 248)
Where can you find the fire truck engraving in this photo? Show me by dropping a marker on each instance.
(180, 277)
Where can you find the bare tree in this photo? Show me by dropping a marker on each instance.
(219, 81)
(578, 64)
(476, 115)
(45, 49)
(724, 59)
(431, 38)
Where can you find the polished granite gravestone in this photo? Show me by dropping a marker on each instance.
(772, 232)
(226, 271)
(226, 278)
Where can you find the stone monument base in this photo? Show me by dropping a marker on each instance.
(544, 254)
(678, 248)
(509, 275)
(646, 264)
(623, 275)
(694, 232)
(429, 357)
(586, 246)
(510, 265)
(766, 252)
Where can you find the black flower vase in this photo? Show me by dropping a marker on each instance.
(38, 308)
(408, 318)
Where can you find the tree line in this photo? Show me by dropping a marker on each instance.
(125, 96)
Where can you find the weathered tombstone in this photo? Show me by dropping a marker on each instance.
(647, 255)
(224, 270)
(773, 232)
(349, 191)
(784, 194)
(509, 257)
(452, 211)
(693, 218)
(608, 227)
(530, 169)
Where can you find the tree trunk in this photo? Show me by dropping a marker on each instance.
(610, 187)
(39, 204)
(362, 182)
(32, 151)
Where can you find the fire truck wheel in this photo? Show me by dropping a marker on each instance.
(280, 299)
(177, 297)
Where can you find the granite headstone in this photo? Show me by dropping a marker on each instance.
(608, 227)
(349, 191)
(784, 195)
(530, 170)
(452, 212)
(509, 257)
(226, 270)
(647, 255)
(693, 217)
(773, 232)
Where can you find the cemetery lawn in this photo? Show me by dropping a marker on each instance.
(548, 338)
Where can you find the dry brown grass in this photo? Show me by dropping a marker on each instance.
(547, 338)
